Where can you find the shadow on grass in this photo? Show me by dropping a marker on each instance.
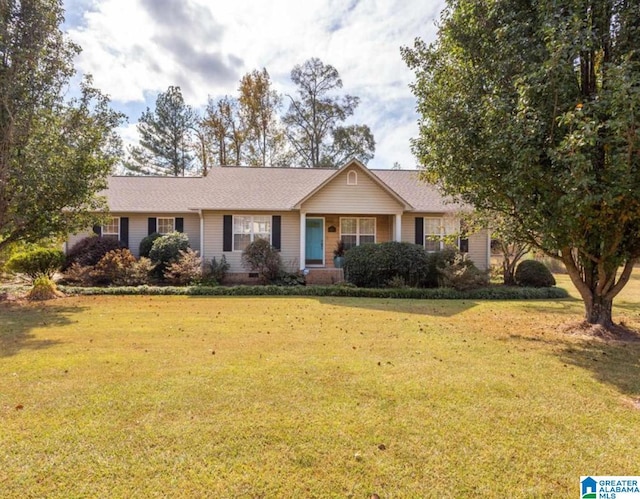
(613, 363)
(628, 306)
(562, 306)
(19, 321)
(436, 308)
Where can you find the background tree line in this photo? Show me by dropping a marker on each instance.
(249, 130)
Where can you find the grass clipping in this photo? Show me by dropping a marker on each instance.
(43, 289)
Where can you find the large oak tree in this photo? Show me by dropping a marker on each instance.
(530, 109)
(55, 153)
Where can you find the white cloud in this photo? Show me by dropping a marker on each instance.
(137, 48)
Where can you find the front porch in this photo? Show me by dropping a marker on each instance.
(320, 233)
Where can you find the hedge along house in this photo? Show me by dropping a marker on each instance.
(302, 212)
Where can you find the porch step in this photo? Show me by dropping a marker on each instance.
(325, 276)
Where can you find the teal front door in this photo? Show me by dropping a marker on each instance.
(314, 241)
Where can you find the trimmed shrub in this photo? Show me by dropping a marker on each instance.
(489, 293)
(217, 270)
(166, 250)
(186, 270)
(142, 271)
(438, 261)
(261, 257)
(147, 243)
(290, 279)
(377, 265)
(115, 268)
(79, 274)
(534, 274)
(90, 250)
(120, 268)
(43, 289)
(397, 282)
(463, 275)
(39, 262)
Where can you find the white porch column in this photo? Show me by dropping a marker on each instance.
(303, 239)
(398, 228)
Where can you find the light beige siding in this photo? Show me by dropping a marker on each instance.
(138, 230)
(74, 238)
(409, 227)
(139, 226)
(290, 239)
(479, 249)
(365, 197)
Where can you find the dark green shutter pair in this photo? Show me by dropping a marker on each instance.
(227, 232)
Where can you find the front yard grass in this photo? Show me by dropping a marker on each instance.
(174, 396)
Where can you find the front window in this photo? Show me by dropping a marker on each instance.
(112, 228)
(436, 230)
(357, 231)
(248, 228)
(166, 225)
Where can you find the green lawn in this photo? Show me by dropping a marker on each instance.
(141, 396)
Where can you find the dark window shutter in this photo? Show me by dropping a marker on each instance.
(227, 236)
(276, 231)
(464, 245)
(420, 231)
(97, 229)
(153, 225)
(179, 224)
(124, 231)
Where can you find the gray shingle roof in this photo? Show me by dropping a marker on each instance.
(260, 189)
(422, 196)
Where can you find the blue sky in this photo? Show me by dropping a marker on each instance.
(137, 48)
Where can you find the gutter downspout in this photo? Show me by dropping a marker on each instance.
(201, 234)
(488, 248)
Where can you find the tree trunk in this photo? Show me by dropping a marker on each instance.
(508, 273)
(598, 311)
(598, 287)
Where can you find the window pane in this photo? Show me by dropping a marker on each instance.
(262, 225)
(112, 227)
(431, 245)
(451, 226)
(367, 239)
(241, 241)
(367, 226)
(349, 241)
(432, 225)
(165, 225)
(242, 225)
(349, 226)
(248, 228)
